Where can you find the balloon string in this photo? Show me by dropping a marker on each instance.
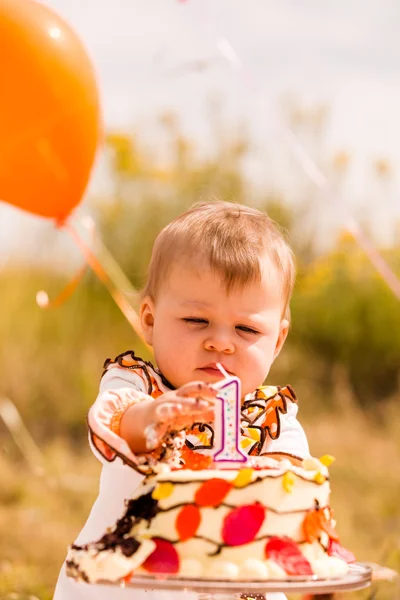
(109, 263)
(318, 178)
(118, 297)
(375, 257)
(42, 297)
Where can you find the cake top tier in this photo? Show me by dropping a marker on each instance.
(312, 469)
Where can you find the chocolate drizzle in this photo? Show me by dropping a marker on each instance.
(202, 427)
(256, 480)
(233, 506)
(128, 545)
(189, 481)
(220, 546)
(143, 508)
(73, 570)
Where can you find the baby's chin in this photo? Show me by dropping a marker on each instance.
(196, 375)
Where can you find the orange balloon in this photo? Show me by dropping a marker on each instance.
(49, 111)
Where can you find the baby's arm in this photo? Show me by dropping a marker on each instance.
(124, 413)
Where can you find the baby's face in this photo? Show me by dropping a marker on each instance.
(195, 324)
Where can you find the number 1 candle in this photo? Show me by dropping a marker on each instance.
(227, 420)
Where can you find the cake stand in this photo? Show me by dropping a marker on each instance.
(358, 577)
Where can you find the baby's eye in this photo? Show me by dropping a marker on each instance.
(195, 320)
(247, 329)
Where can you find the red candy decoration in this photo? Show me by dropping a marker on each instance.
(187, 522)
(242, 524)
(287, 555)
(164, 559)
(335, 549)
(212, 492)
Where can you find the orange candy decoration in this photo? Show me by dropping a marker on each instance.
(128, 577)
(187, 522)
(49, 111)
(195, 460)
(212, 492)
(315, 522)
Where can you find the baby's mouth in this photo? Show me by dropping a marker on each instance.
(214, 370)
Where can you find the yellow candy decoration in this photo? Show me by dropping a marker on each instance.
(243, 478)
(163, 490)
(327, 460)
(319, 478)
(288, 482)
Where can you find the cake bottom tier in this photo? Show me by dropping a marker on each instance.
(191, 559)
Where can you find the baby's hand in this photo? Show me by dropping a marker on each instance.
(178, 409)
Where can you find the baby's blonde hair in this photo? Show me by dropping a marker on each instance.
(231, 238)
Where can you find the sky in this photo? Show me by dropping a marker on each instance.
(255, 56)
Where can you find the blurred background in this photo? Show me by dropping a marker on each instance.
(288, 106)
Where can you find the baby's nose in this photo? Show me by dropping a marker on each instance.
(219, 344)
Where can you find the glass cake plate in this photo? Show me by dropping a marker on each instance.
(358, 577)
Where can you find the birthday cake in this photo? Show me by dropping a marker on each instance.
(266, 520)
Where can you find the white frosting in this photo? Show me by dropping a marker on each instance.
(322, 564)
(313, 551)
(190, 567)
(109, 565)
(275, 571)
(251, 568)
(330, 566)
(223, 569)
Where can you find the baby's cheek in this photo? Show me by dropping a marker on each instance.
(257, 369)
(171, 366)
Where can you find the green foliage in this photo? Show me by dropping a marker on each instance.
(344, 313)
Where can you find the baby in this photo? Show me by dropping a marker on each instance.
(218, 290)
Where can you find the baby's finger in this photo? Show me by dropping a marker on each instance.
(187, 420)
(197, 389)
(195, 405)
(205, 417)
(168, 410)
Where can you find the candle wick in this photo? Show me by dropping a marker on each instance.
(221, 368)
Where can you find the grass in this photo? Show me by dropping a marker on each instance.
(41, 514)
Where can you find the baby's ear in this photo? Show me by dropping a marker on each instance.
(147, 319)
(283, 331)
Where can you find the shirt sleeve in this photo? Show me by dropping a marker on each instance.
(292, 439)
(119, 389)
